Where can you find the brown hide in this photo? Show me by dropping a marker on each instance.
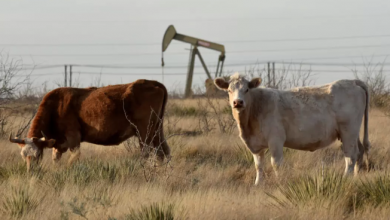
(97, 115)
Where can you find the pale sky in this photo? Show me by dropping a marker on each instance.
(39, 32)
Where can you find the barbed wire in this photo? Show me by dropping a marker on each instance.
(159, 43)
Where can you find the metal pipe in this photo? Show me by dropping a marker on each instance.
(187, 92)
(203, 64)
(220, 73)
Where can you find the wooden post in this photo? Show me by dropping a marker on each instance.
(273, 74)
(66, 76)
(269, 74)
(70, 76)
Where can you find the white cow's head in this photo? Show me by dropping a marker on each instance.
(238, 89)
(32, 148)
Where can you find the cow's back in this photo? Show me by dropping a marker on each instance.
(311, 116)
(105, 113)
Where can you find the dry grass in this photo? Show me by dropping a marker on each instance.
(211, 176)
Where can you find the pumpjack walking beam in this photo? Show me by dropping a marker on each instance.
(171, 34)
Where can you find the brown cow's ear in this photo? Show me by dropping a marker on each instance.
(50, 143)
(254, 83)
(221, 84)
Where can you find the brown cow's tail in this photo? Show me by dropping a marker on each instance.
(366, 142)
(164, 144)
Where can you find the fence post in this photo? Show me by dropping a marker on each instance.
(70, 75)
(269, 74)
(273, 75)
(66, 76)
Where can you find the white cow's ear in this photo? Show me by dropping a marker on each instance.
(221, 84)
(254, 83)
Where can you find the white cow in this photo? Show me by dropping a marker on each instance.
(306, 118)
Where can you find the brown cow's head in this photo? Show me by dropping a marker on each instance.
(238, 89)
(32, 148)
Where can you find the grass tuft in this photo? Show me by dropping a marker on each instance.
(244, 156)
(374, 192)
(184, 111)
(323, 185)
(20, 202)
(153, 212)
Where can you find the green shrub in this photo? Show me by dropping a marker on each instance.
(227, 110)
(17, 169)
(373, 192)
(320, 186)
(82, 174)
(153, 212)
(19, 202)
(78, 207)
(4, 173)
(184, 111)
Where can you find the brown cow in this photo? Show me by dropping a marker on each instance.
(105, 116)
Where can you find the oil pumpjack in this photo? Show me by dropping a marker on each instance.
(171, 34)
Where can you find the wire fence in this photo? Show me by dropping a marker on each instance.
(138, 70)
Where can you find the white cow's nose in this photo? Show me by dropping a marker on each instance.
(238, 103)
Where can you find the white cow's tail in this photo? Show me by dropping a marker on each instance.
(366, 142)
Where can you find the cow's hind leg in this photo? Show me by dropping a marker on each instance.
(367, 147)
(360, 156)
(351, 151)
(143, 133)
(276, 149)
(161, 147)
(150, 139)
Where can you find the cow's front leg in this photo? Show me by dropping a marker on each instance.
(73, 144)
(259, 164)
(276, 149)
(74, 154)
(56, 155)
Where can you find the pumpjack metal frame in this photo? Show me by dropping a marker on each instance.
(171, 34)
